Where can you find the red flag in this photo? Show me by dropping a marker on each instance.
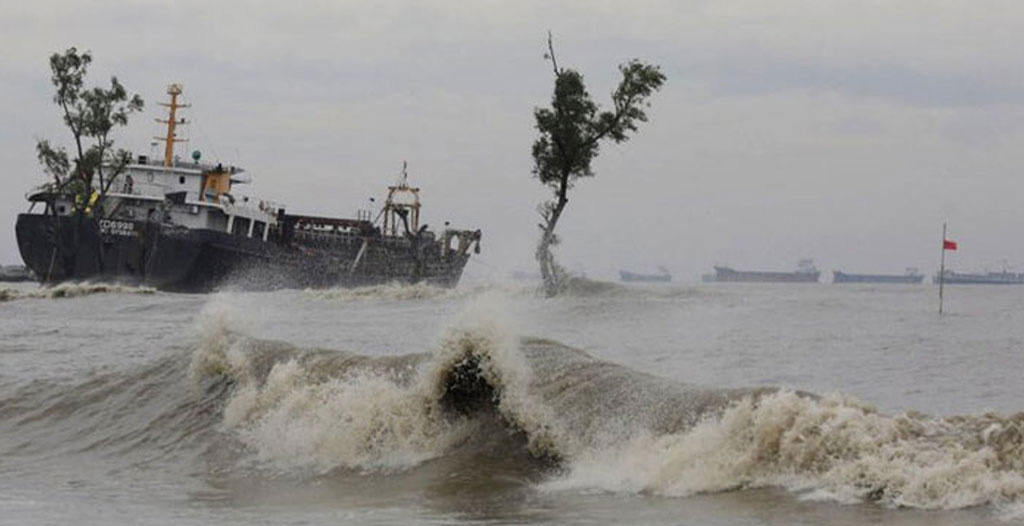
(948, 245)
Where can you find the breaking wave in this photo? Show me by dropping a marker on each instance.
(598, 425)
(406, 292)
(580, 287)
(391, 291)
(71, 290)
(570, 421)
(575, 287)
(320, 410)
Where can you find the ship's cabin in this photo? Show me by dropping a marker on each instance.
(191, 195)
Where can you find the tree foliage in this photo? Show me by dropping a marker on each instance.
(571, 133)
(91, 115)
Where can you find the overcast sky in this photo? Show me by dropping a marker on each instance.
(846, 131)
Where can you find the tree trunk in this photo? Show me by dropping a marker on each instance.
(551, 272)
(548, 268)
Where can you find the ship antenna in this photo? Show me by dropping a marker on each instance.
(173, 90)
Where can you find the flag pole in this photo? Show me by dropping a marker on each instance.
(942, 267)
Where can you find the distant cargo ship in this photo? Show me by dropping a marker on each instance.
(661, 277)
(805, 273)
(912, 276)
(989, 278)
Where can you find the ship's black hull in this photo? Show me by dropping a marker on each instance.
(171, 258)
(992, 278)
(726, 274)
(907, 279)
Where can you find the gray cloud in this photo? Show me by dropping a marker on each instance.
(752, 75)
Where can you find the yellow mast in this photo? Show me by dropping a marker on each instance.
(173, 90)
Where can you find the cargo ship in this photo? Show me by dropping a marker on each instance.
(805, 273)
(911, 276)
(663, 276)
(988, 278)
(182, 226)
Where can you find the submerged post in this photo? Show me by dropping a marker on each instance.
(942, 267)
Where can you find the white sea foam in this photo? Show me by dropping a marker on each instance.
(832, 448)
(391, 291)
(406, 292)
(364, 421)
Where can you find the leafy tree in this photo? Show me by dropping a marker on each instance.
(571, 132)
(90, 114)
(86, 174)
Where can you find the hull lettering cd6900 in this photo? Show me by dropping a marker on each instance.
(116, 228)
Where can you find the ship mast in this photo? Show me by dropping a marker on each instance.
(173, 90)
(408, 212)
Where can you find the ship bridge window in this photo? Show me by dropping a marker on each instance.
(240, 226)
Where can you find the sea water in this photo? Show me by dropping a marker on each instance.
(702, 404)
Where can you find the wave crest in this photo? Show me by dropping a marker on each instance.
(414, 292)
(72, 290)
(322, 410)
(391, 291)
